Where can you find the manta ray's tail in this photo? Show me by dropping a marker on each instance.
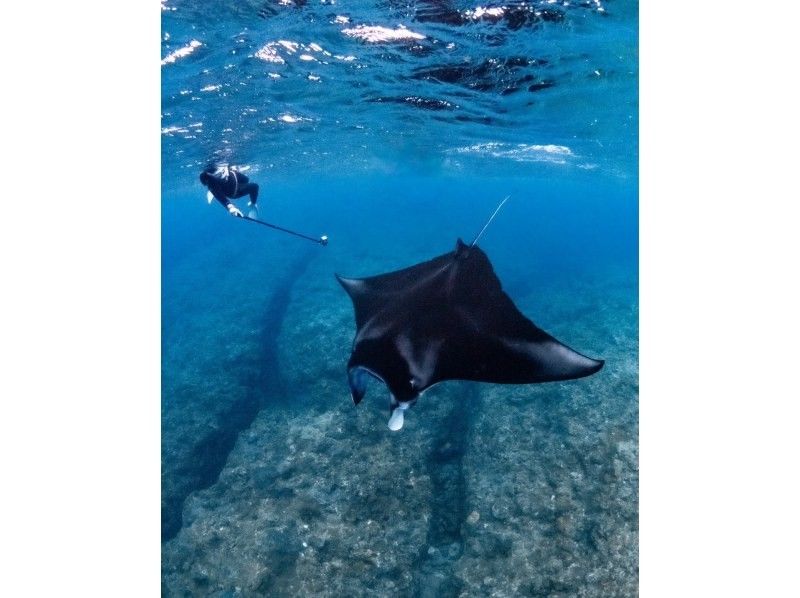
(488, 222)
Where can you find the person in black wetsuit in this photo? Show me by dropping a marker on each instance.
(226, 183)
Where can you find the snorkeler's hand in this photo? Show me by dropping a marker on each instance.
(234, 211)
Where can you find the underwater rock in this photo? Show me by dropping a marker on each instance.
(533, 491)
(210, 393)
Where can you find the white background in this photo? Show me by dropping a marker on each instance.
(80, 320)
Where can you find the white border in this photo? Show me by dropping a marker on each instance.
(80, 243)
(718, 299)
(80, 316)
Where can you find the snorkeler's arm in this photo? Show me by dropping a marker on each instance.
(232, 209)
(221, 198)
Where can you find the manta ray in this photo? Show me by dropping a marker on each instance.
(448, 319)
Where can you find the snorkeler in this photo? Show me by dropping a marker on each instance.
(225, 183)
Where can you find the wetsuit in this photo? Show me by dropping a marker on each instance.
(227, 183)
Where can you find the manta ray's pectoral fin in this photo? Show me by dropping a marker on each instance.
(355, 287)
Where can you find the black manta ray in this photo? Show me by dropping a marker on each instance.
(448, 319)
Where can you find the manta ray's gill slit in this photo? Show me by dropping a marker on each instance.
(445, 542)
(266, 386)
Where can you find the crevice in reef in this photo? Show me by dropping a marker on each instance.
(445, 543)
(265, 386)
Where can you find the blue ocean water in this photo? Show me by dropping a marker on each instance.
(396, 128)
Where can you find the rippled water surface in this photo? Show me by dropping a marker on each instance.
(396, 128)
(287, 85)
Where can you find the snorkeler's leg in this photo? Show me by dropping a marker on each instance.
(250, 189)
(253, 191)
